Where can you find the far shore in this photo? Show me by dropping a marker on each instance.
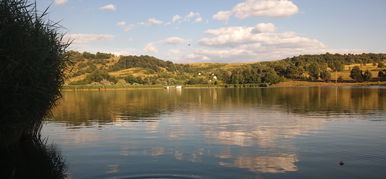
(279, 85)
(326, 84)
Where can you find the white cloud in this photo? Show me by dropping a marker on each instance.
(264, 27)
(259, 8)
(259, 42)
(260, 34)
(198, 20)
(176, 18)
(110, 7)
(150, 47)
(154, 21)
(222, 16)
(174, 40)
(88, 38)
(151, 21)
(194, 17)
(126, 27)
(60, 2)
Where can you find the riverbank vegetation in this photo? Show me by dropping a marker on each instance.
(32, 63)
(103, 70)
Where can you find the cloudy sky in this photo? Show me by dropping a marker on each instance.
(222, 30)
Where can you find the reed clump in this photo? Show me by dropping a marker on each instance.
(32, 63)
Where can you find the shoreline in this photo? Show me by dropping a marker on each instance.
(279, 85)
(326, 84)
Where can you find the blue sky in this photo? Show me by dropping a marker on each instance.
(222, 30)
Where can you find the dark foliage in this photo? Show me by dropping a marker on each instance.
(359, 76)
(382, 75)
(32, 61)
(149, 62)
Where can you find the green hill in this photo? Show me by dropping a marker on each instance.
(108, 69)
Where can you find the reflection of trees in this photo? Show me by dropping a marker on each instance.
(31, 159)
(82, 108)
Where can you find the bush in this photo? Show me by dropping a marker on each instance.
(325, 75)
(382, 75)
(356, 74)
(340, 79)
(314, 71)
(98, 76)
(32, 65)
(367, 75)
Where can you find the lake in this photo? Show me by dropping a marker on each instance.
(222, 133)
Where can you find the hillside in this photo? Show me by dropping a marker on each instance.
(108, 69)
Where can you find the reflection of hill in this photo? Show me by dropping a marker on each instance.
(80, 108)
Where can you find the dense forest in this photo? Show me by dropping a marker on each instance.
(108, 69)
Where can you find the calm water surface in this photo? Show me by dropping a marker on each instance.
(222, 133)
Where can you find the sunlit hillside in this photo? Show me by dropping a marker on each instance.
(108, 69)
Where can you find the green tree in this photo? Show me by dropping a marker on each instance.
(271, 77)
(356, 74)
(382, 75)
(381, 65)
(367, 75)
(314, 71)
(98, 76)
(325, 75)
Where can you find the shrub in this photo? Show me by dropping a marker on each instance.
(367, 75)
(340, 79)
(314, 71)
(382, 75)
(325, 75)
(356, 74)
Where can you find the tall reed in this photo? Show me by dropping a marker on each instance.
(32, 63)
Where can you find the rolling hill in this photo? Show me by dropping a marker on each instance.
(107, 69)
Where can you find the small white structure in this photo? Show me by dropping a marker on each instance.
(178, 87)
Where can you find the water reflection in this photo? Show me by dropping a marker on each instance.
(81, 108)
(252, 130)
(32, 159)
